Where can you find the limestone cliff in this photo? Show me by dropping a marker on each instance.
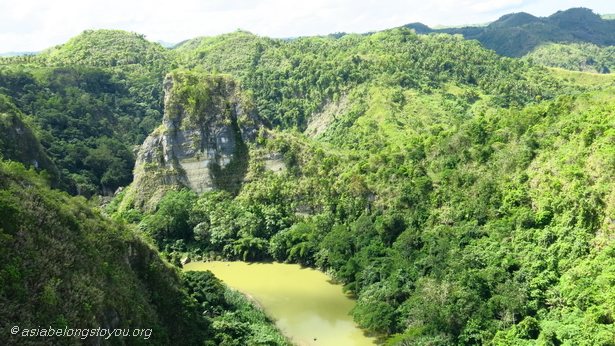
(202, 142)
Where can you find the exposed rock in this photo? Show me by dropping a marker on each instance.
(202, 143)
(319, 122)
(275, 163)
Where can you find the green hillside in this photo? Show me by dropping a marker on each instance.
(91, 100)
(89, 115)
(575, 56)
(463, 197)
(291, 80)
(19, 143)
(445, 193)
(66, 265)
(109, 48)
(450, 229)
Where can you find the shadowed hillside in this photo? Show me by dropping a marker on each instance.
(517, 34)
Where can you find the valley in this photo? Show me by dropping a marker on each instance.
(459, 196)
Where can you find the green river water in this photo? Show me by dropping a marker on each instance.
(305, 305)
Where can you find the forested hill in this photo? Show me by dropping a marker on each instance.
(91, 100)
(517, 34)
(459, 194)
(464, 197)
(95, 97)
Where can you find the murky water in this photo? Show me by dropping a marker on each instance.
(305, 305)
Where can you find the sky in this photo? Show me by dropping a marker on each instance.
(33, 25)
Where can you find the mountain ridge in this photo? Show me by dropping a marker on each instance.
(516, 34)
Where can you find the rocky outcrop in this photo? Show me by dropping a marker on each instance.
(320, 122)
(202, 143)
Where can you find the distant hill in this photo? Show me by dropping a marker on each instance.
(108, 48)
(166, 44)
(517, 34)
(8, 54)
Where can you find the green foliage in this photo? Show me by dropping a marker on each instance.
(375, 315)
(293, 79)
(234, 319)
(233, 53)
(62, 264)
(19, 143)
(102, 90)
(199, 95)
(464, 198)
(86, 121)
(170, 221)
(575, 56)
(473, 230)
(296, 244)
(90, 100)
(113, 274)
(109, 48)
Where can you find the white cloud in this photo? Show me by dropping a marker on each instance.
(494, 5)
(37, 24)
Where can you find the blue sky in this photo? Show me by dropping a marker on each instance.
(32, 25)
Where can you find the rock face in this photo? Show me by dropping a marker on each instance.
(202, 143)
(320, 122)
